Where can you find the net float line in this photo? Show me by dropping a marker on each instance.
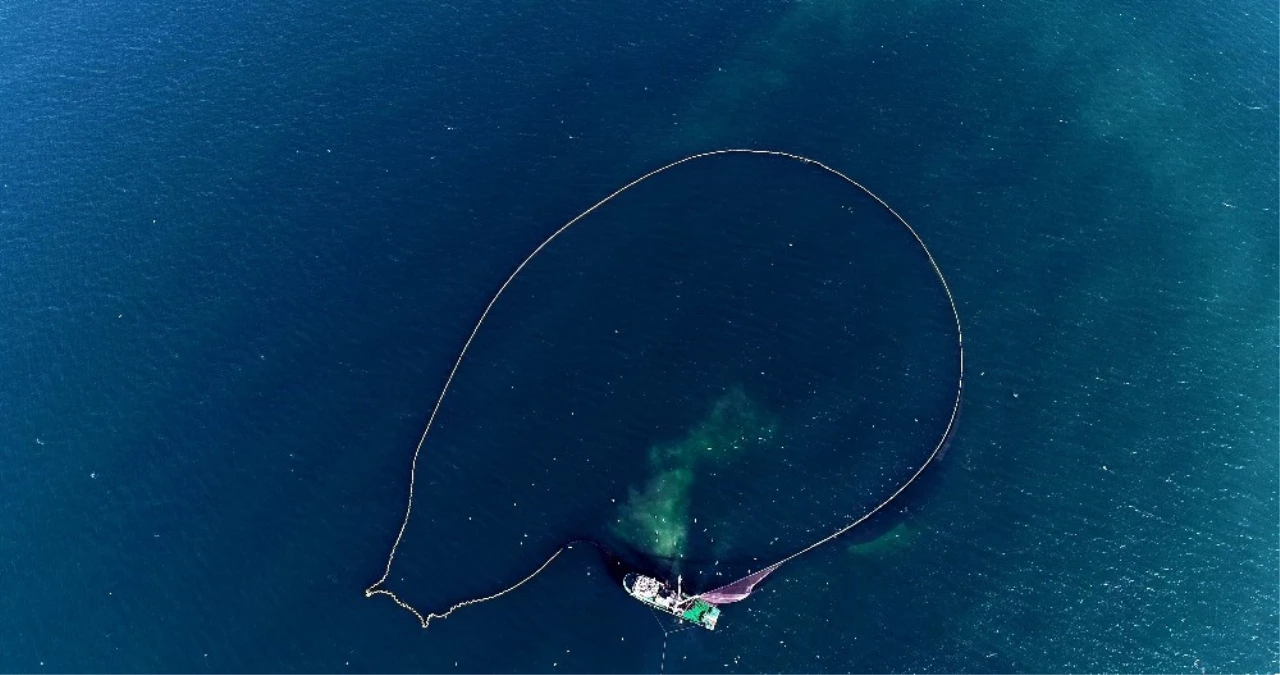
(378, 587)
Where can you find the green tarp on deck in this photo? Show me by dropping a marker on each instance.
(695, 612)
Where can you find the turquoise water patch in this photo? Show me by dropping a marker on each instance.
(656, 517)
(892, 542)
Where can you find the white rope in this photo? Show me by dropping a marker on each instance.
(377, 588)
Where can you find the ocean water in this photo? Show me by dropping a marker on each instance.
(240, 246)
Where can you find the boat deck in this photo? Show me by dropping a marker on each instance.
(661, 596)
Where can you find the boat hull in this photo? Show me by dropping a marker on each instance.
(662, 597)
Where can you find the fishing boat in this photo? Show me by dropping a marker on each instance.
(660, 595)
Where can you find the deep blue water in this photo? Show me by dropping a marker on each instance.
(241, 244)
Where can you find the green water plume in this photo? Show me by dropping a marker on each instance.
(656, 518)
(899, 536)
